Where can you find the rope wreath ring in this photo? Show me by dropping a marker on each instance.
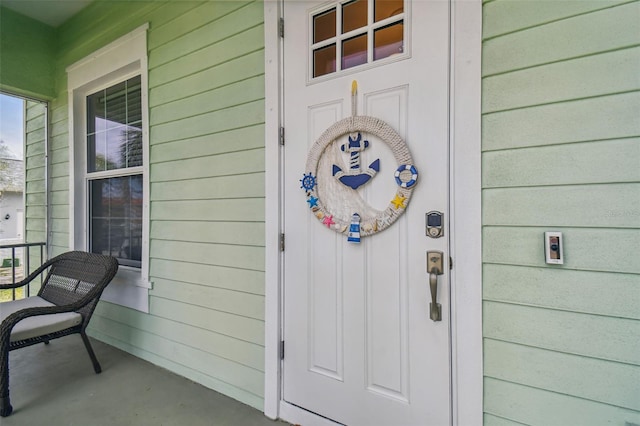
(405, 175)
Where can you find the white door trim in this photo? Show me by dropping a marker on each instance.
(466, 245)
(466, 213)
(273, 207)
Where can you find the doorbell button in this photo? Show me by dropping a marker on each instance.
(553, 248)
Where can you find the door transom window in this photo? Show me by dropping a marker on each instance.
(350, 34)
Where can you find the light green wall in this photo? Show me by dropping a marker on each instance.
(35, 196)
(26, 55)
(206, 99)
(561, 152)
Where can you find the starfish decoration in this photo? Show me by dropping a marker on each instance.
(398, 201)
(313, 201)
(328, 220)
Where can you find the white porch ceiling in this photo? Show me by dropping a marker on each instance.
(50, 12)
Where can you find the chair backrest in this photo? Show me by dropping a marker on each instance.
(75, 275)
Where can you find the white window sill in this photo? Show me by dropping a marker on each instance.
(128, 289)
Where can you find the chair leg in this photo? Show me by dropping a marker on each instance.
(92, 355)
(5, 404)
(5, 407)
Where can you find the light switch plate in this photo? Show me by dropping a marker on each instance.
(553, 245)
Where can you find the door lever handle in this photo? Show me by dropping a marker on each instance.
(434, 268)
(435, 309)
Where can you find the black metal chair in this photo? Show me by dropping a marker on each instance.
(63, 306)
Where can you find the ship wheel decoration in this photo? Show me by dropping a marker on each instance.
(332, 190)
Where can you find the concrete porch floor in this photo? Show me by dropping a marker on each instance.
(55, 385)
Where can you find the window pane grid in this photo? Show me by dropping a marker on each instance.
(114, 127)
(115, 218)
(357, 32)
(115, 171)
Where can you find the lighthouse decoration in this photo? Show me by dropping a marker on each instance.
(354, 229)
(362, 220)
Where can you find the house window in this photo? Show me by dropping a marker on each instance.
(109, 178)
(114, 146)
(354, 33)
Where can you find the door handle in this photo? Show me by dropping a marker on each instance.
(434, 268)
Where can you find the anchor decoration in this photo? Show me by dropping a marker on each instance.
(354, 178)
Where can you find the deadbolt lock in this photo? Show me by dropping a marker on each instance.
(434, 224)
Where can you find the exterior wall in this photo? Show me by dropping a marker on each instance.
(27, 48)
(35, 199)
(35, 183)
(206, 99)
(561, 151)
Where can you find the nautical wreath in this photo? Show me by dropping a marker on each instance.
(325, 179)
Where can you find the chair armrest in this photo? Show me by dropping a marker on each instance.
(15, 285)
(28, 279)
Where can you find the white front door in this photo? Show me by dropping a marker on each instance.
(360, 346)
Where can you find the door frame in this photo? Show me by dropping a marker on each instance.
(465, 214)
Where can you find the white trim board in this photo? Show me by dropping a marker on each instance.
(466, 245)
(466, 211)
(273, 203)
(118, 60)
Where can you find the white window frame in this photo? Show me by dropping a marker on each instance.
(369, 30)
(118, 61)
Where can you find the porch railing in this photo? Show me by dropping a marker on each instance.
(17, 260)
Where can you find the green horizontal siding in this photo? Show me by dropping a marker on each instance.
(206, 109)
(570, 329)
(225, 164)
(239, 233)
(588, 249)
(222, 142)
(561, 152)
(236, 117)
(581, 35)
(522, 404)
(229, 377)
(249, 281)
(249, 185)
(600, 293)
(490, 420)
(210, 21)
(502, 17)
(583, 120)
(230, 95)
(596, 162)
(35, 213)
(571, 206)
(59, 169)
(594, 379)
(222, 74)
(220, 299)
(227, 49)
(243, 210)
(235, 256)
(562, 81)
